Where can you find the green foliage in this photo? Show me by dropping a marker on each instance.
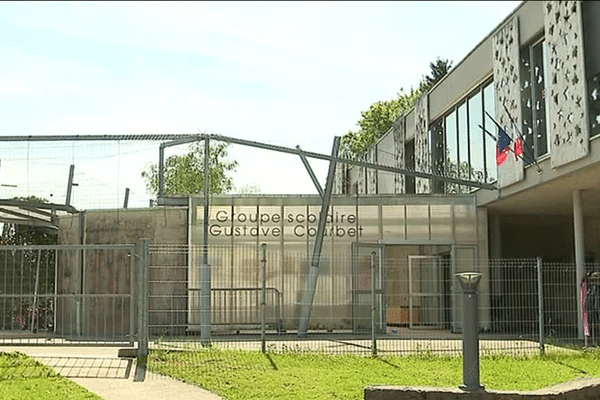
(376, 121)
(438, 69)
(380, 116)
(184, 174)
(13, 234)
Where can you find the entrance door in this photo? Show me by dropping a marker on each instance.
(363, 277)
(426, 292)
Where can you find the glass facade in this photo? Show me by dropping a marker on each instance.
(288, 225)
(533, 101)
(470, 151)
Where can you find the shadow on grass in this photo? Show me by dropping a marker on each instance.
(581, 371)
(268, 356)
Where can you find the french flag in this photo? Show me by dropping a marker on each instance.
(503, 147)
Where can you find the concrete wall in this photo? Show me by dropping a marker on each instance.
(110, 271)
(582, 389)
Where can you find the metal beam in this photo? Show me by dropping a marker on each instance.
(21, 215)
(35, 210)
(28, 222)
(378, 167)
(313, 273)
(310, 172)
(43, 206)
(161, 170)
(188, 137)
(95, 138)
(126, 200)
(70, 184)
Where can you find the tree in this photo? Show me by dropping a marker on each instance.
(16, 234)
(184, 174)
(376, 121)
(439, 69)
(27, 271)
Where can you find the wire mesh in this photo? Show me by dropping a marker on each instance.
(103, 170)
(66, 295)
(413, 302)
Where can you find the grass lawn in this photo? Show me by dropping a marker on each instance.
(24, 378)
(236, 374)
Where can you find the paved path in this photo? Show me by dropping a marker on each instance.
(100, 370)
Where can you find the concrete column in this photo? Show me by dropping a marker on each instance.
(495, 237)
(579, 254)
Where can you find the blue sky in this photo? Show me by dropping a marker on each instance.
(287, 73)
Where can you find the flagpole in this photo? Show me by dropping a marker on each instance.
(531, 159)
(521, 136)
(496, 140)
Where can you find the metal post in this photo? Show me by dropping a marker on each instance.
(469, 282)
(373, 305)
(35, 291)
(263, 302)
(161, 170)
(126, 201)
(133, 292)
(205, 322)
(143, 265)
(70, 184)
(579, 234)
(313, 274)
(541, 327)
(81, 261)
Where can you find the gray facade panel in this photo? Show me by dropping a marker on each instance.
(508, 94)
(422, 152)
(567, 89)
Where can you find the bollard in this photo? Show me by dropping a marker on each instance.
(469, 282)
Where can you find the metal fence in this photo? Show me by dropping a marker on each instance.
(370, 301)
(365, 302)
(67, 294)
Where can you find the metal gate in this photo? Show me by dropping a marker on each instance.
(426, 292)
(68, 295)
(363, 278)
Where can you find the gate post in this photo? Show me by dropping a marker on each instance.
(143, 265)
(541, 327)
(469, 282)
(263, 301)
(373, 304)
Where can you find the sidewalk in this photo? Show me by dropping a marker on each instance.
(100, 370)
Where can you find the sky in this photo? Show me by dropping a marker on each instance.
(284, 73)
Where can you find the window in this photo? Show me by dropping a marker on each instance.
(489, 107)
(476, 137)
(533, 101)
(464, 167)
(463, 148)
(451, 158)
(436, 140)
(409, 163)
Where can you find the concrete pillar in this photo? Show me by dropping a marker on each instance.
(579, 254)
(495, 237)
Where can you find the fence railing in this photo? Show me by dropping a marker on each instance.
(391, 300)
(75, 294)
(402, 304)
